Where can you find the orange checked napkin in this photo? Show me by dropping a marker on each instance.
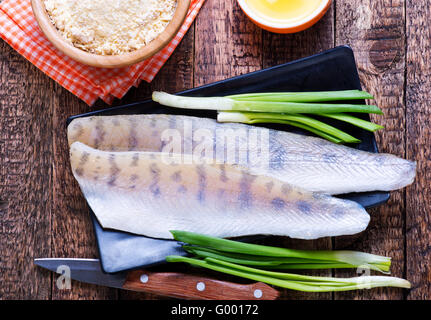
(19, 28)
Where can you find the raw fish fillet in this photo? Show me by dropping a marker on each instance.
(151, 193)
(307, 162)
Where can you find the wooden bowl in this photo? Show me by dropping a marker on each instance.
(111, 61)
(286, 27)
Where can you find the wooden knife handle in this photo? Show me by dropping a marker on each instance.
(185, 286)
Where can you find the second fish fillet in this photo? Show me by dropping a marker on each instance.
(151, 193)
(310, 163)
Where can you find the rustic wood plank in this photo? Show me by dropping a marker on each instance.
(418, 96)
(25, 177)
(227, 44)
(278, 49)
(375, 31)
(177, 74)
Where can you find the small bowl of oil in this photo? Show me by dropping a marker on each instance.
(285, 16)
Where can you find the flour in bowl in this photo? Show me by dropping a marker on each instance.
(110, 27)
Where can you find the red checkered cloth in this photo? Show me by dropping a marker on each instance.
(19, 29)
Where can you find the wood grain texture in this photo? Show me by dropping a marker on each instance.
(282, 48)
(374, 29)
(25, 177)
(227, 44)
(418, 96)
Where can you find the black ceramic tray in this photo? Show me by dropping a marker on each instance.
(334, 69)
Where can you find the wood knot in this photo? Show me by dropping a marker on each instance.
(3, 205)
(383, 53)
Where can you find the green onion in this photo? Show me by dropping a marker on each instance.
(313, 266)
(252, 261)
(265, 262)
(229, 104)
(304, 96)
(294, 281)
(222, 246)
(304, 127)
(367, 125)
(256, 117)
(285, 108)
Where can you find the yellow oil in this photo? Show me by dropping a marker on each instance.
(283, 10)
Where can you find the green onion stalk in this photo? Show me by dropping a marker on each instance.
(288, 108)
(301, 121)
(237, 104)
(258, 263)
(260, 255)
(317, 96)
(294, 281)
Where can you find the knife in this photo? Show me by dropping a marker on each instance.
(171, 284)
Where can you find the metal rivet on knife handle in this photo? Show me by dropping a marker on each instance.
(200, 286)
(258, 293)
(143, 278)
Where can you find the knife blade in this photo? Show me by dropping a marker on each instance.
(171, 284)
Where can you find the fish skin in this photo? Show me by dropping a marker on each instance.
(308, 162)
(142, 193)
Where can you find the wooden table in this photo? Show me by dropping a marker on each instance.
(42, 211)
